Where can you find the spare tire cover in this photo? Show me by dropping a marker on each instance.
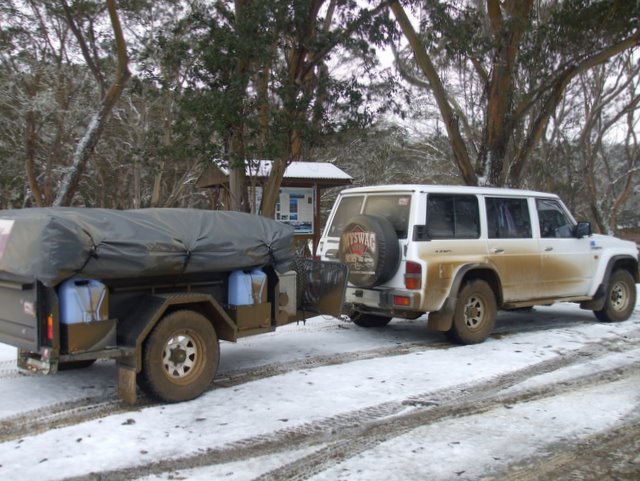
(369, 246)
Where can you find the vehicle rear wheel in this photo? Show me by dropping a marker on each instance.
(370, 320)
(180, 357)
(475, 313)
(621, 298)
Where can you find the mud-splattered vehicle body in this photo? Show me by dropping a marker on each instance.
(461, 253)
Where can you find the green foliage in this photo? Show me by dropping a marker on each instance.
(234, 53)
(557, 30)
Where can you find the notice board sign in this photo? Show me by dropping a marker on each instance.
(296, 206)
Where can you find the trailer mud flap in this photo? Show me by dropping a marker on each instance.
(127, 384)
(321, 287)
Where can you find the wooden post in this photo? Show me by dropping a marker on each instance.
(316, 220)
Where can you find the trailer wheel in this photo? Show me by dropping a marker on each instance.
(180, 357)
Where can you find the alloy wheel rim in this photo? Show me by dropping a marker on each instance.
(181, 356)
(474, 312)
(619, 296)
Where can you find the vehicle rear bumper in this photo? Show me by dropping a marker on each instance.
(384, 299)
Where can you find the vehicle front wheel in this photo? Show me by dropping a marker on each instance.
(621, 298)
(370, 320)
(475, 313)
(180, 357)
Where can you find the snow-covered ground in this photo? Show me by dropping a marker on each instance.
(331, 401)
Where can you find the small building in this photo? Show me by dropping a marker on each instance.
(300, 191)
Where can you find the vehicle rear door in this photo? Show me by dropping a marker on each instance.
(453, 231)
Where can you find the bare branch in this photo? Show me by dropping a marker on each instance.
(88, 58)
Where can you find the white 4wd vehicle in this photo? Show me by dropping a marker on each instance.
(462, 253)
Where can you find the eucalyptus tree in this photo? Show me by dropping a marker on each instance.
(598, 145)
(263, 84)
(524, 55)
(161, 159)
(39, 86)
(50, 50)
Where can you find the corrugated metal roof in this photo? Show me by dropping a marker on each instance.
(297, 172)
(314, 170)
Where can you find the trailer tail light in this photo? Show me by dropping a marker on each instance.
(413, 276)
(50, 327)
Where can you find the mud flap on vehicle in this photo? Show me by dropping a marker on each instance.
(442, 320)
(597, 302)
(321, 286)
(127, 389)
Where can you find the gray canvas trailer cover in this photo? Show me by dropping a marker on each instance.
(52, 244)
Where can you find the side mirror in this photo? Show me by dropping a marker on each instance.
(583, 229)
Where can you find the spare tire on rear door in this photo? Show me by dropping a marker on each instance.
(369, 246)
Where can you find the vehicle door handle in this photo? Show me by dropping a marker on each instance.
(496, 250)
(548, 249)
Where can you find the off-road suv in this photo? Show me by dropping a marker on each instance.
(462, 253)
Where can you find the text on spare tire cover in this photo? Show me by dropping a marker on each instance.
(359, 250)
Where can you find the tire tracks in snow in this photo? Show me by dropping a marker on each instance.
(76, 411)
(233, 378)
(10, 370)
(360, 440)
(67, 413)
(58, 415)
(613, 454)
(343, 436)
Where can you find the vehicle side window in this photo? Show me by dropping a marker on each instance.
(554, 221)
(453, 217)
(348, 208)
(394, 208)
(508, 218)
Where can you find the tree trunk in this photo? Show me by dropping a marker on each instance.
(237, 171)
(507, 30)
(87, 144)
(271, 189)
(299, 71)
(30, 163)
(460, 153)
(239, 196)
